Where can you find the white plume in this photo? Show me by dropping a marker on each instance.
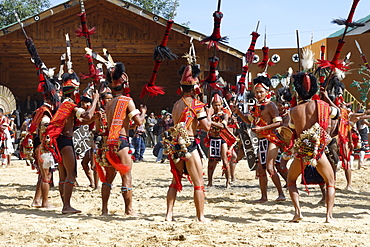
(308, 59)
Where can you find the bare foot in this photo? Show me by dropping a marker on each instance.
(209, 185)
(296, 218)
(260, 201)
(168, 218)
(203, 220)
(228, 185)
(70, 210)
(281, 199)
(36, 204)
(330, 219)
(130, 212)
(48, 206)
(348, 187)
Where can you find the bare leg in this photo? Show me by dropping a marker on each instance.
(271, 158)
(37, 198)
(45, 187)
(211, 169)
(293, 173)
(323, 193)
(194, 167)
(225, 164)
(348, 174)
(85, 165)
(171, 198)
(69, 163)
(262, 178)
(127, 181)
(107, 187)
(324, 169)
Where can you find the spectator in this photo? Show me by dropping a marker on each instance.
(139, 143)
(151, 122)
(160, 125)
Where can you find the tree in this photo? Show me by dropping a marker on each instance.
(24, 8)
(164, 8)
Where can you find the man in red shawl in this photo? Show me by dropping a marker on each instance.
(119, 112)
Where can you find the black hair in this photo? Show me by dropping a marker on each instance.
(1, 110)
(103, 95)
(85, 99)
(262, 79)
(119, 69)
(195, 71)
(298, 85)
(187, 88)
(283, 94)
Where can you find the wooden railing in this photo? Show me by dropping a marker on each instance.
(348, 97)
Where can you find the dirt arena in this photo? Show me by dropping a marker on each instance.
(234, 220)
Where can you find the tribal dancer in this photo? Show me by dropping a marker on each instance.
(180, 145)
(59, 136)
(6, 145)
(113, 153)
(217, 145)
(265, 119)
(44, 161)
(311, 119)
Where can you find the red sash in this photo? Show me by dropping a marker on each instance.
(56, 126)
(113, 136)
(190, 112)
(343, 129)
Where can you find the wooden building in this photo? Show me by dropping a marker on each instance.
(127, 31)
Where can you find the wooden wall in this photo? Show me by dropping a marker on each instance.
(129, 37)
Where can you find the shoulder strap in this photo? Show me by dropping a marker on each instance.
(117, 120)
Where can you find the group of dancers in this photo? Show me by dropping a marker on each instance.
(308, 124)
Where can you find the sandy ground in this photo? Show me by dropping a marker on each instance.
(235, 221)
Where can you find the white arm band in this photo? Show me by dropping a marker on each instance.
(79, 112)
(202, 114)
(334, 113)
(277, 119)
(133, 113)
(291, 125)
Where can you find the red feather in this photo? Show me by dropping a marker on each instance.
(115, 161)
(151, 90)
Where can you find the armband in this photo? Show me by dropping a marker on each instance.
(277, 119)
(291, 125)
(133, 113)
(250, 118)
(352, 123)
(201, 115)
(79, 112)
(334, 114)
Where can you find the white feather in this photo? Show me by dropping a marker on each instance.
(308, 59)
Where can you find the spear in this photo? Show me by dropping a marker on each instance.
(266, 60)
(335, 63)
(362, 55)
(249, 55)
(299, 51)
(216, 37)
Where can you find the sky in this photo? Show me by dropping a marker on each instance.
(280, 19)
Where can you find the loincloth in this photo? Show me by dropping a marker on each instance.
(263, 145)
(215, 146)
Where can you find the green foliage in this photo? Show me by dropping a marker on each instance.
(363, 86)
(24, 8)
(164, 8)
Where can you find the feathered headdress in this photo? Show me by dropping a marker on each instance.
(305, 84)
